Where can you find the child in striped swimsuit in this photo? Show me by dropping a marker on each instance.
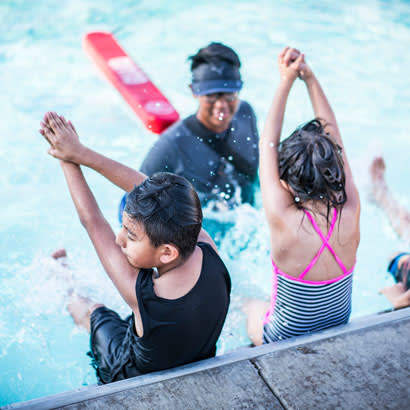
(313, 209)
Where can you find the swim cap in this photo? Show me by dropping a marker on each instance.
(216, 77)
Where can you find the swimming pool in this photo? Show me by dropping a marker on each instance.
(360, 53)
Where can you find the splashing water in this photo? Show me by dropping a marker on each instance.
(42, 352)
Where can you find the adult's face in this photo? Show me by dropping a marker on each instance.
(215, 111)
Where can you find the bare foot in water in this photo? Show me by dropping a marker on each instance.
(59, 253)
(377, 170)
(80, 309)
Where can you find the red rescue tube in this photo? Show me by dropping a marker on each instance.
(151, 106)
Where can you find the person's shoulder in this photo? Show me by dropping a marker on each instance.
(209, 252)
(214, 264)
(175, 131)
(245, 108)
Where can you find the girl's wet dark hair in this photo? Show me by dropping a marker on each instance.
(311, 163)
(214, 53)
(168, 207)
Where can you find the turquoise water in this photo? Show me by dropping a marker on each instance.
(359, 51)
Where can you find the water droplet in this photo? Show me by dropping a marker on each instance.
(232, 129)
(230, 158)
(271, 144)
(248, 138)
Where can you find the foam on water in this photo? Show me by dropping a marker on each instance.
(359, 51)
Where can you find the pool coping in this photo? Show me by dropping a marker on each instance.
(243, 353)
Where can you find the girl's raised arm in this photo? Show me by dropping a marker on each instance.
(324, 112)
(276, 199)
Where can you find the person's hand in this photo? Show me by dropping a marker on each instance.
(305, 72)
(290, 61)
(292, 64)
(62, 137)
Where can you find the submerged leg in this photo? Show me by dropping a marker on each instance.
(397, 214)
(255, 311)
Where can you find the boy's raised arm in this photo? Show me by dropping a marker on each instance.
(103, 238)
(66, 145)
(115, 263)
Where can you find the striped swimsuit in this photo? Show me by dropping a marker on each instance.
(301, 306)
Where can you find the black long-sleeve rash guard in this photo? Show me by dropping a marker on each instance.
(216, 164)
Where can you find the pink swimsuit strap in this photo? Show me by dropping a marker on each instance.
(325, 244)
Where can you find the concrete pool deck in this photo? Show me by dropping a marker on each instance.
(362, 365)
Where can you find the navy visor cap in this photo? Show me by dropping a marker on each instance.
(218, 77)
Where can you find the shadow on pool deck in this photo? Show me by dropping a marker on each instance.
(362, 365)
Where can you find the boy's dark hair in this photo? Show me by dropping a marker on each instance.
(168, 207)
(214, 53)
(311, 163)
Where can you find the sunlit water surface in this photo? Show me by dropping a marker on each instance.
(359, 50)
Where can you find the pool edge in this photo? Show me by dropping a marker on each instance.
(244, 353)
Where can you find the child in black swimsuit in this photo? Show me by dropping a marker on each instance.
(165, 267)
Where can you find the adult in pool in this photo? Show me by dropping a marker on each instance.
(313, 210)
(399, 217)
(216, 149)
(164, 266)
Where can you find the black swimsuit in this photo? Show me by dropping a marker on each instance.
(176, 331)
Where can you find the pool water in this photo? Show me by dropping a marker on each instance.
(359, 50)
